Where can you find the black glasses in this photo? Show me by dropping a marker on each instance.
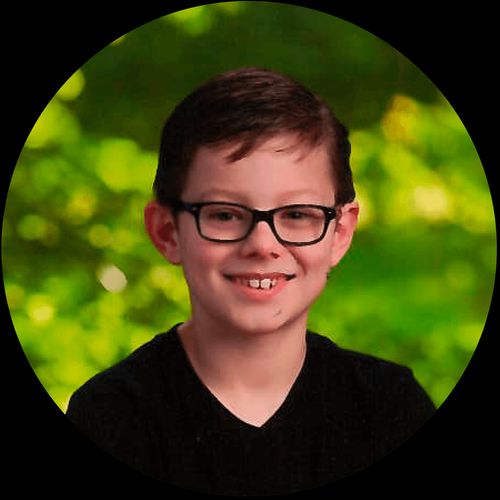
(298, 224)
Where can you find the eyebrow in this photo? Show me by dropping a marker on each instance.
(214, 193)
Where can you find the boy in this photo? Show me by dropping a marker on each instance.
(254, 199)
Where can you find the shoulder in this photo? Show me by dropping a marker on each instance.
(138, 366)
(373, 379)
(119, 408)
(378, 401)
(366, 365)
(137, 377)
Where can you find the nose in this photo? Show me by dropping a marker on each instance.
(261, 241)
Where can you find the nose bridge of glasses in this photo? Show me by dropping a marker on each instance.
(263, 216)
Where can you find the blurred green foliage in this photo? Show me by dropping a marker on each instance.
(84, 284)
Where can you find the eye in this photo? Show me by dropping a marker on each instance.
(301, 213)
(223, 216)
(295, 214)
(222, 213)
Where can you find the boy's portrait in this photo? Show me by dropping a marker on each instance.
(257, 274)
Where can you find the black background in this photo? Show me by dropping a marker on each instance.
(457, 452)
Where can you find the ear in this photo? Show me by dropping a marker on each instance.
(162, 229)
(345, 225)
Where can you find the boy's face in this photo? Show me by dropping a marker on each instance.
(218, 274)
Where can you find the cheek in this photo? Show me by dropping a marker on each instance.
(315, 261)
(200, 257)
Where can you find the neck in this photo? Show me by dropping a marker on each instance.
(225, 359)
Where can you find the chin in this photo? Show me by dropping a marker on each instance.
(252, 324)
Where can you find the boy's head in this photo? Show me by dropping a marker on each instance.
(253, 146)
(245, 108)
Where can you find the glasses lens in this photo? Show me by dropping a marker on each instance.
(224, 222)
(300, 223)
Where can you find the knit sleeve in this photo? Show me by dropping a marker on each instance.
(108, 413)
(402, 408)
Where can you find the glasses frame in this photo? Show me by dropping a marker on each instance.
(257, 216)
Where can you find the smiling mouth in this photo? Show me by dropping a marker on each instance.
(260, 281)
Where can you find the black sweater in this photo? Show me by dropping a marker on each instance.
(345, 411)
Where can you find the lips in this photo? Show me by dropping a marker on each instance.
(260, 281)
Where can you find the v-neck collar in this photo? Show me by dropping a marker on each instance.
(225, 416)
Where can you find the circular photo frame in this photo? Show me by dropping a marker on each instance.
(85, 287)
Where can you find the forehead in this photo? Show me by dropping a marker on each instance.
(277, 166)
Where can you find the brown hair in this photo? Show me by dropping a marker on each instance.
(246, 107)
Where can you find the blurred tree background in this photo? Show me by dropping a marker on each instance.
(84, 284)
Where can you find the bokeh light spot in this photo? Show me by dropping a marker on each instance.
(112, 279)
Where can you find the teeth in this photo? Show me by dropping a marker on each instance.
(265, 284)
(254, 283)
